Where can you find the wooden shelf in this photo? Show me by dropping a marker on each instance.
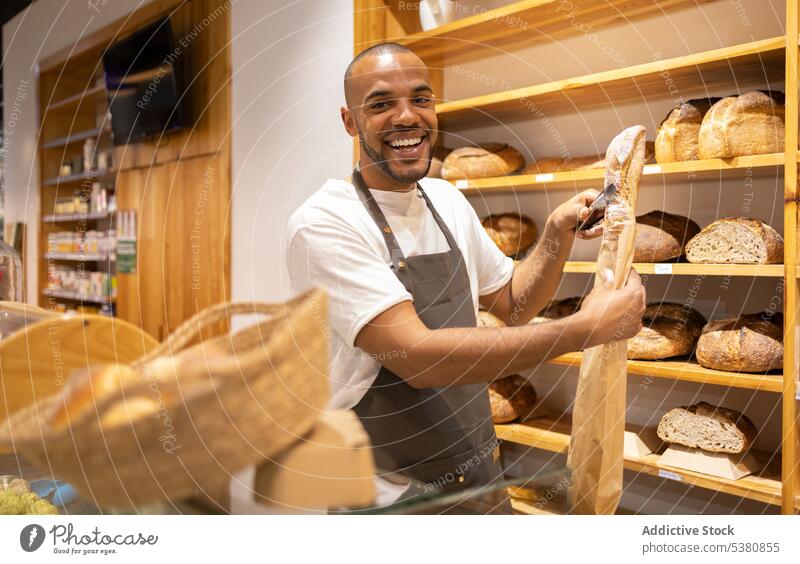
(64, 217)
(709, 169)
(553, 436)
(77, 297)
(77, 177)
(687, 269)
(90, 94)
(72, 138)
(705, 72)
(82, 257)
(530, 21)
(689, 372)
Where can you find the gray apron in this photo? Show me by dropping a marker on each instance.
(441, 437)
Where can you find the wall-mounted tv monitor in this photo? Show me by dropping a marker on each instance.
(144, 85)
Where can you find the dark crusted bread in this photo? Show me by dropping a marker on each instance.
(676, 139)
(511, 398)
(661, 236)
(488, 160)
(668, 330)
(749, 343)
(513, 233)
(558, 309)
(749, 124)
(738, 240)
(710, 428)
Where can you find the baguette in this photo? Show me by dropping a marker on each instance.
(707, 427)
(736, 240)
(749, 343)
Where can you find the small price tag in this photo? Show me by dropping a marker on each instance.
(544, 177)
(663, 269)
(669, 475)
(462, 184)
(652, 169)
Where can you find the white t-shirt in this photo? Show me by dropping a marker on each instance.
(333, 242)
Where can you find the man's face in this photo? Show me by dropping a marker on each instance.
(392, 112)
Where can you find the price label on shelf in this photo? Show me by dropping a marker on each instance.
(663, 269)
(544, 177)
(462, 184)
(669, 475)
(652, 169)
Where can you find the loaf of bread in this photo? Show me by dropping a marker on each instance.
(565, 164)
(749, 124)
(707, 427)
(737, 240)
(662, 236)
(749, 343)
(511, 232)
(677, 135)
(486, 319)
(558, 309)
(668, 330)
(511, 398)
(485, 161)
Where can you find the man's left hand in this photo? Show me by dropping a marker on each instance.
(569, 214)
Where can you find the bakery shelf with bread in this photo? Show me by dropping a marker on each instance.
(688, 371)
(654, 174)
(553, 435)
(687, 269)
(740, 65)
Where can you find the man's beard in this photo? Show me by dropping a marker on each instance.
(383, 163)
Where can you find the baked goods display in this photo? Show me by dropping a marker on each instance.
(566, 164)
(748, 124)
(677, 135)
(484, 161)
(558, 309)
(662, 236)
(511, 398)
(737, 240)
(668, 330)
(513, 233)
(748, 343)
(16, 498)
(708, 427)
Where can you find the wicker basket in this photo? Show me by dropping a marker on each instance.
(224, 404)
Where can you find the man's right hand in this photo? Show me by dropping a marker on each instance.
(614, 315)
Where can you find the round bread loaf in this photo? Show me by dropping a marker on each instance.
(677, 135)
(564, 164)
(486, 319)
(668, 330)
(749, 343)
(736, 240)
(485, 161)
(511, 232)
(661, 236)
(511, 398)
(749, 124)
(439, 155)
(708, 427)
(558, 309)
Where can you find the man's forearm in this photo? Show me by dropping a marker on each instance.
(536, 278)
(469, 355)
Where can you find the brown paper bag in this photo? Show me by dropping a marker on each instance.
(598, 420)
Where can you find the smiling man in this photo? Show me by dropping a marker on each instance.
(406, 264)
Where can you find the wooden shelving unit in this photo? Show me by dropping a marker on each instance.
(654, 174)
(717, 71)
(553, 436)
(71, 138)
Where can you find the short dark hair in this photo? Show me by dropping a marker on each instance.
(387, 47)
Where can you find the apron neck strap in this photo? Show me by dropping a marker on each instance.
(380, 220)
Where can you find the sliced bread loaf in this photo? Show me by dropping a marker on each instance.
(739, 240)
(708, 427)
